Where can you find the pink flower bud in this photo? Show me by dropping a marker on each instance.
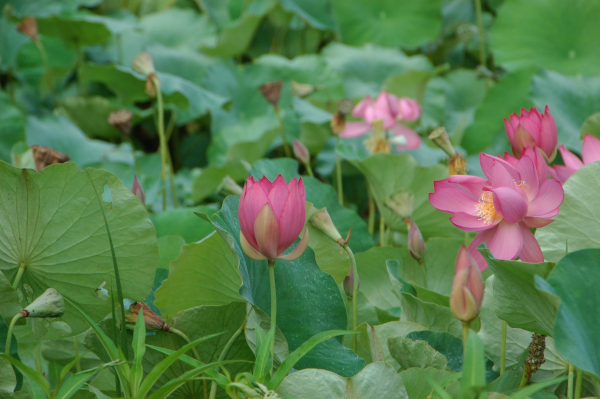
(301, 152)
(271, 216)
(408, 109)
(138, 190)
(416, 244)
(467, 287)
(532, 129)
(349, 282)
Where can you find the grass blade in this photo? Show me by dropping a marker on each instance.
(30, 373)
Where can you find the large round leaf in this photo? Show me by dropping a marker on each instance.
(389, 23)
(51, 224)
(560, 35)
(579, 216)
(575, 282)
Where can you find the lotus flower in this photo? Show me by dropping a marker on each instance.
(590, 152)
(467, 287)
(387, 108)
(502, 208)
(416, 244)
(532, 129)
(271, 217)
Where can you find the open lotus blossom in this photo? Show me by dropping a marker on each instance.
(467, 287)
(389, 109)
(532, 129)
(590, 152)
(272, 216)
(501, 208)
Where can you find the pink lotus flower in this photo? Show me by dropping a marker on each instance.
(502, 208)
(467, 287)
(389, 109)
(272, 216)
(590, 152)
(532, 130)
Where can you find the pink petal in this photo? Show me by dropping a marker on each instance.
(474, 184)
(539, 162)
(408, 109)
(384, 109)
(549, 198)
(278, 194)
(549, 135)
(253, 201)
(514, 121)
(590, 151)
(413, 140)
(291, 221)
(452, 200)
(529, 176)
(507, 242)
(561, 173)
(355, 129)
(467, 222)
(481, 237)
(536, 223)
(266, 232)
(510, 203)
(510, 130)
(510, 159)
(531, 251)
(523, 139)
(571, 160)
(488, 161)
(360, 108)
(501, 176)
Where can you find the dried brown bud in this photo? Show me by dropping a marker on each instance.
(121, 119)
(151, 82)
(457, 165)
(338, 123)
(345, 106)
(28, 27)
(271, 91)
(45, 156)
(349, 282)
(151, 319)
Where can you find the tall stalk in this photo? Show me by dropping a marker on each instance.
(338, 172)
(286, 145)
(354, 293)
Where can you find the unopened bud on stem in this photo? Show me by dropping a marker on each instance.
(49, 304)
(322, 221)
(416, 244)
(301, 152)
(440, 137)
(138, 190)
(349, 282)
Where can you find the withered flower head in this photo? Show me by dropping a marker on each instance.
(151, 319)
(121, 119)
(271, 91)
(46, 156)
(28, 26)
(440, 137)
(457, 165)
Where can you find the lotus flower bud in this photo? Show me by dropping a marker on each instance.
(402, 203)
(467, 287)
(271, 216)
(301, 152)
(138, 190)
(271, 91)
(440, 137)
(143, 64)
(322, 222)
(151, 319)
(302, 89)
(121, 120)
(49, 304)
(28, 26)
(349, 282)
(532, 129)
(229, 187)
(416, 244)
(408, 109)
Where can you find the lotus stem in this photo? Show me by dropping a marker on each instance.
(570, 381)
(164, 156)
(371, 221)
(354, 293)
(273, 304)
(19, 275)
(225, 352)
(286, 145)
(44, 55)
(10, 330)
(381, 230)
(579, 384)
(338, 171)
(465, 334)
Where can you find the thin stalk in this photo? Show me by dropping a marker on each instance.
(467, 239)
(114, 337)
(482, 57)
(371, 221)
(286, 145)
(570, 381)
(164, 156)
(424, 270)
(338, 173)
(117, 277)
(465, 335)
(526, 375)
(309, 170)
(38, 359)
(224, 353)
(19, 275)
(354, 293)
(10, 330)
(46, 63)
(381, 231)
(172, 184)
(579, 384)
(503, 348)
(273, 304)
(76, 353)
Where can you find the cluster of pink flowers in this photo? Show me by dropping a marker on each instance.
(391, 110)
(516, 195)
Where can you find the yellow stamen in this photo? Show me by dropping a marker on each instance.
(378, 142)
(485, 208)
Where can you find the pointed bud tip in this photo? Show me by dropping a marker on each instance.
(416, 244)
(301, 152)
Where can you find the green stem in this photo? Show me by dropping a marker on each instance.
(526, 376)
(381, 231)
(579, 384)
(503, 348)
(570, 381)
(424, 270)
(354, 293)
(164, 156)
(371, 221)
(286, 145)
(224, 353)
(482, 57)
(338, 173)
(46, 63)
(10, 329)
(309, 170)
(76, 353)
(38, 359)
(465, 334)
(273, 304)
(19, 275)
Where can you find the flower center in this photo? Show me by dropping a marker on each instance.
(485, 208)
